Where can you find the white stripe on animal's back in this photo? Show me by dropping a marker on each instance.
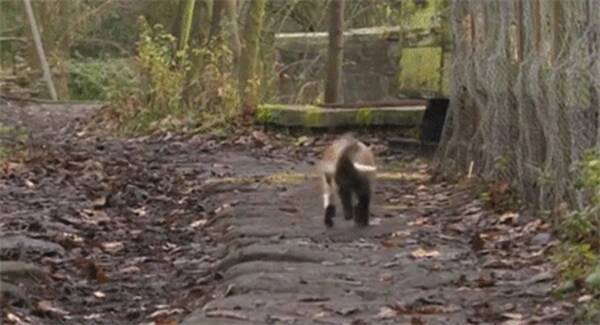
(364, 168)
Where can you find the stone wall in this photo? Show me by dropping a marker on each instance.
(380, 63)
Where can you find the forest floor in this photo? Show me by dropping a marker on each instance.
(168, 229)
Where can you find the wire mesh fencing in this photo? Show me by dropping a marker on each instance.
(524, 89)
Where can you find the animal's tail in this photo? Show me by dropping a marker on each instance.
(348, 169)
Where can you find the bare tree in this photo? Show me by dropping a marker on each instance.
(187, 16)
(226, 9)
(249, 58)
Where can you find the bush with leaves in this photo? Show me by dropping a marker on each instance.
(178, 88)
(93, 79)
(578, 253)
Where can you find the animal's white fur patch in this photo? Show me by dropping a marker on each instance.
(326, 200)
(327, 167)
(364, 168)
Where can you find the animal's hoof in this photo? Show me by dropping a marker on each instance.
(328, 223)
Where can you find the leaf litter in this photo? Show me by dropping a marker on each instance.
(134, 207)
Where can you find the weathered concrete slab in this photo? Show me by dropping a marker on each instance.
(316, 117)
(414, 267)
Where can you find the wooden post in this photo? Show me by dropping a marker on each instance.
(40, 49)
(335, 56)
(520, 31)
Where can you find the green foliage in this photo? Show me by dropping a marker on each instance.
(575, 260)
(590, 175)
(578, 253)
(93, 79)
(183, 89)
(364, 116)
(215, 87)
(264, 114)
(314, 115)
(163, 68)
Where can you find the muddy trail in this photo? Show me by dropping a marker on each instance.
(228, 230)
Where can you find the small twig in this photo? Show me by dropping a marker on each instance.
(470, 174)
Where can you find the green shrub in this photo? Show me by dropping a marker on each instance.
(95, 79)
(578, 253)
(193, 89)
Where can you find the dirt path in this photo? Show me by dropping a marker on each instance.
(415, 265)
(229, 231)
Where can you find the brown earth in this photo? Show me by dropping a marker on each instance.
(211, 230)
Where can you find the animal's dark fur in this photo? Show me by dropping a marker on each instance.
(350, 182)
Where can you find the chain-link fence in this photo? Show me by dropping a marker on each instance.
(524, 89)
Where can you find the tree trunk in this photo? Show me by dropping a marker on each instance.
(226, 9)
(178, 21)
(335, 54)
(249, 58)
(232, 30)
(186, 23)
(204, 9)
(40, 50)
(215, 22)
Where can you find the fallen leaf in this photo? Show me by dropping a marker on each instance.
(16, 320)
(112, 247)
(347, 311)
(92, 270)
(419, 221)
(221, 208)
(509, 217)
(485, 281)
(47, 307)
(375, 221)
(99, 294)
(227, 314)
(140, 212)
(435, 309)
(421, 253)
(417, 321)
(229, 290)
(514, 316)
(585, 298)
(99, 202)
(130, 269)
(260, 137)
(386, 313)
(29, 183)
(198, 223)
(477, 242)
(92, 316)
(514, 322)
(163, 313)
(289, 209)
(313, 299)
(302, 141)
(283, 319)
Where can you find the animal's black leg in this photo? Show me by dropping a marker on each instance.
(329, 214)
(327, 200)
(346, 199)
(361, 213)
